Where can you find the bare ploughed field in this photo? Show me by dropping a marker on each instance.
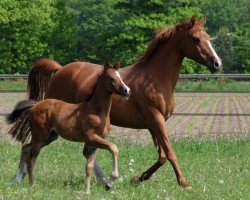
(197, 115)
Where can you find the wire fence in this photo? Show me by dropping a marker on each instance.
(182, 76)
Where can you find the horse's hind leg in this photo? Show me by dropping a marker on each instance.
(22, 168)
(148, 173)
(89, 168)
(31, 160)
(87, 151)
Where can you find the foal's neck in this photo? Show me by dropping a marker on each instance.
(101, 99)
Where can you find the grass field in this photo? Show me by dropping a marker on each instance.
(227, 85)
(217, 169)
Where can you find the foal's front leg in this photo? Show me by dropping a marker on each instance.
(89, 168)
(87, 151)
(97, 141)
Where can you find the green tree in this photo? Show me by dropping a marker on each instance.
(137, 27)
(29, 30)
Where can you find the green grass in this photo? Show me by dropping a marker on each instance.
(13, 85)
(217, 169)
(224, 85)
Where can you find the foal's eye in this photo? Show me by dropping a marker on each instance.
(196, 40)
(111, 79)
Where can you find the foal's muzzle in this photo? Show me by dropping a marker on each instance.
(125, 92)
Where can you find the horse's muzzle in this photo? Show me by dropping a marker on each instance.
(214, 66)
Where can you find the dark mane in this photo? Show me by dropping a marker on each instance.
(164, 34)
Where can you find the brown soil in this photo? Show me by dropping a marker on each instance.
(224, 114)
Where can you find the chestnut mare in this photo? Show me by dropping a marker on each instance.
(87, 122)
(152, 80)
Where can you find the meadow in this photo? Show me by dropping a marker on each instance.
(216, 169)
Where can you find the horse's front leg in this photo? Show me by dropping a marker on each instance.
(89, 168)
(157, 128)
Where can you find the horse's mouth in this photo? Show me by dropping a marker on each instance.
(213, 69)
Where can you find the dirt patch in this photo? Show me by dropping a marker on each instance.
(197, 115)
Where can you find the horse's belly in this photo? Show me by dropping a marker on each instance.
(125, 113)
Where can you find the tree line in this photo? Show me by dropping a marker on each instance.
(93, 30)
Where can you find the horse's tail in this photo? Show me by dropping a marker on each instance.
(40, 76)
(20, 120)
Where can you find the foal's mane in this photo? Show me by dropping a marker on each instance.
(89, 97)
(164, 34)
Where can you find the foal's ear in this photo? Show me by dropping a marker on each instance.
(107, 65)
(117, 65)
(203, 20)
(193, 20)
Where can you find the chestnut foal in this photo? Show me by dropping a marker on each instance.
(87, 122)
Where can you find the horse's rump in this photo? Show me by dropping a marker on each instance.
(40, 76)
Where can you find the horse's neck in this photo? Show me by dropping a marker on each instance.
(163, 67)
(101, 99)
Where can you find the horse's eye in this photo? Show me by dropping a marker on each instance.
(196, 40)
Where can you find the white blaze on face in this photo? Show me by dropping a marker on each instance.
(214, 53)
(118, 75)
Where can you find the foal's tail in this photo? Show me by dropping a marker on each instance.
(40, 76)
(19, 117)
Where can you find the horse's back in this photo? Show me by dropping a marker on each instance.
(74, 82)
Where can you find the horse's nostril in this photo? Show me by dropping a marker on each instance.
(216, 64)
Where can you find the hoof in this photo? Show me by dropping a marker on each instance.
(135, 181)
(188, 188)
(87, 192)
(107, 186)
(185, 185)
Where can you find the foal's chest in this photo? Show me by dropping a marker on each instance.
(100, 123)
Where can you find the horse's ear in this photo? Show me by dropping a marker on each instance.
(193, 20)
(107, 65)
(117, 65)
(203, 20)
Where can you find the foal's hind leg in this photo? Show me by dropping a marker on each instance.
(89, 168)
(22, 168)
(87, 151)
(31, 160)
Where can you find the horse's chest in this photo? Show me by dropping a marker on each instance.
(164, 105)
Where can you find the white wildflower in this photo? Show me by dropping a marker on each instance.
(131, 170)
(221, 181)
(120, 179)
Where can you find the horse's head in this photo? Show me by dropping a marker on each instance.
(112, 80)
(196, 45)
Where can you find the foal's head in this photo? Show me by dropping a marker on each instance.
(196, 44)
(112, 81)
